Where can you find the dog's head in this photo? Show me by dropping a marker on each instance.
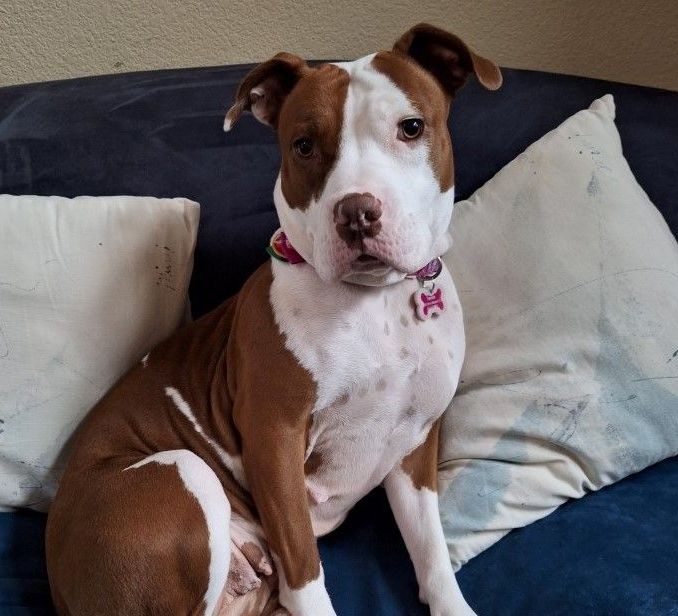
(366, 187)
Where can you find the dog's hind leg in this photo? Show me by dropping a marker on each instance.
(150, 537)
(200, 481)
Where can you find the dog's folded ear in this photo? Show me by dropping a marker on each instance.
(447, 58)
(265, 88)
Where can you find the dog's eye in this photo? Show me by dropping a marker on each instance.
(410, 128)
(304, 147)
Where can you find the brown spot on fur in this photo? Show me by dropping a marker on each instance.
(343, 399)
(422, 464)
(300, 102)
(314, 109)
(430, 65)
(403, 320)
(425, 93)
(430, 339)
(404, 353)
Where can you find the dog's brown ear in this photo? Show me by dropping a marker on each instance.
(447, 58)
(265, 88)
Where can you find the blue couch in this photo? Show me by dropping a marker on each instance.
(611, 553)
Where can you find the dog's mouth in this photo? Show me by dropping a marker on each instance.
(367, 263)
(369, 259)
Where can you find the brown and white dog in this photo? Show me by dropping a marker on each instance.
(199, 484)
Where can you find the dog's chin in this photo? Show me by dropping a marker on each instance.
(372, 266)
(371, 271)
(374, 278)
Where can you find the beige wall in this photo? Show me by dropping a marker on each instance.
(625, 40)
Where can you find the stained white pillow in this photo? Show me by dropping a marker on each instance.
(87, 287)
(568, 277)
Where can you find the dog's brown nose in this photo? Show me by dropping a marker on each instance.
(357, 216)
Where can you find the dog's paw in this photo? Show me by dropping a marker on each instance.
(248, 538)
(242, 577)
(444, 597)
(458, 608)
(310, 600)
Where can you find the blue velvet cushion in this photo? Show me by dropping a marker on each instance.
(612, 553)
(23, 578)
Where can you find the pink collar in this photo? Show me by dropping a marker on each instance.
(281, 249)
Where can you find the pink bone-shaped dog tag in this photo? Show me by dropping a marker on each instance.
(428, 304)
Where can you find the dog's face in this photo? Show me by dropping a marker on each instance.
(366, 187)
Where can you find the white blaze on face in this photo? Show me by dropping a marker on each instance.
(371, 159)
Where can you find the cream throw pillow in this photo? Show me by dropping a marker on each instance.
(87, 287)
(568, 277)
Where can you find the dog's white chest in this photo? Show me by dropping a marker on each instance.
(383, 376)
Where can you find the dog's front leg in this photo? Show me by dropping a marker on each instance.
(273, 397)
(274, 463)
(411, 488)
